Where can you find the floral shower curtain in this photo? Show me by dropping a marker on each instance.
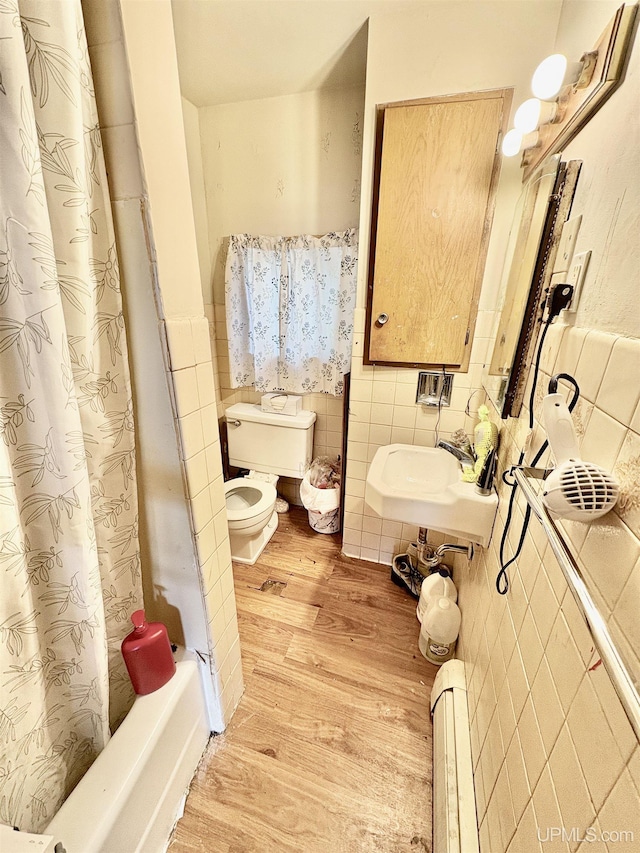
(69, 559)
(289, 307)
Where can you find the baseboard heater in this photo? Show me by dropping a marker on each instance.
(455, 827)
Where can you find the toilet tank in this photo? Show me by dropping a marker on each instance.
(275, 444)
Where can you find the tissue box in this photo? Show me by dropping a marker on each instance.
(281, 404)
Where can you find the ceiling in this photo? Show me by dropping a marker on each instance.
(239, 50)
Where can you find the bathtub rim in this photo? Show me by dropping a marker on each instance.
(161, 739)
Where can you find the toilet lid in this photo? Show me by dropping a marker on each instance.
(245, 498)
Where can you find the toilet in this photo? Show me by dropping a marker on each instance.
(270, 445)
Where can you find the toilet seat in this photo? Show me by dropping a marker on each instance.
(251, 516)
(249, 503)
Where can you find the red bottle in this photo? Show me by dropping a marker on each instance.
(147, 654)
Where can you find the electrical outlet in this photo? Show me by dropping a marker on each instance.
(567, 244)
(576, 277)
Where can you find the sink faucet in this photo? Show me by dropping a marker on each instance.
(461, 455)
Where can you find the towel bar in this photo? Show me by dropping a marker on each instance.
(620, 678)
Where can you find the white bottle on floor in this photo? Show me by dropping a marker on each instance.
(436, 585)
(439, 630)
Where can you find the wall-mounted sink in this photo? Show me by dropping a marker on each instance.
(423, 486)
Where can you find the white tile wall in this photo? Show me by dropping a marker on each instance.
(558, 729)
(186, 340)
(195, 398)
(383, 410)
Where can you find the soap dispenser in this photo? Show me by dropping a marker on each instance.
(485, 439)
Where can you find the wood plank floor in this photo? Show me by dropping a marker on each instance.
(329, 750)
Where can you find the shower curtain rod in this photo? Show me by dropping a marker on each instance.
(615, 666)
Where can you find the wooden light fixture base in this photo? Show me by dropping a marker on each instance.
(608, 60)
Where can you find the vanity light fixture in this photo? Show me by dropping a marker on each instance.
(534, 112)
(516, 141)
(569, 93)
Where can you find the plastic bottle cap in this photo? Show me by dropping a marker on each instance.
(138, 619)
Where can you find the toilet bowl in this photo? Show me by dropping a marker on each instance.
(269, 446)
(251, 516)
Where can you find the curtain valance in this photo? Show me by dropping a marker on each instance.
(289, 308)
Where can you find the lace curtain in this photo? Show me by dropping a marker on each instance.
(69, 558)
(289, 309)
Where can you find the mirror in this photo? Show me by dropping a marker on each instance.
(542, 209)
(517, 277)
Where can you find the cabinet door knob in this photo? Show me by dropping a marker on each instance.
(382, 319)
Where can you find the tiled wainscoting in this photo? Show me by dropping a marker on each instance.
(197, 424)
(552, 747)
(383, 410)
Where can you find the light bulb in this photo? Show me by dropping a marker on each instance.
(532, 113)
(554, 73)
(527, 115)
(515, 141)
(511, 143)
(548, 77)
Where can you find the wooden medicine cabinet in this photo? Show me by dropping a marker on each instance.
(436, 171)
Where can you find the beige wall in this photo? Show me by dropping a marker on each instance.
(280, 166)
(437, 49)
(165, 537)
(191, 117)
(150, 43)
(183, 530)
(550, 741)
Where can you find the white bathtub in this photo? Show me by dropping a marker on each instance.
(133, 793)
